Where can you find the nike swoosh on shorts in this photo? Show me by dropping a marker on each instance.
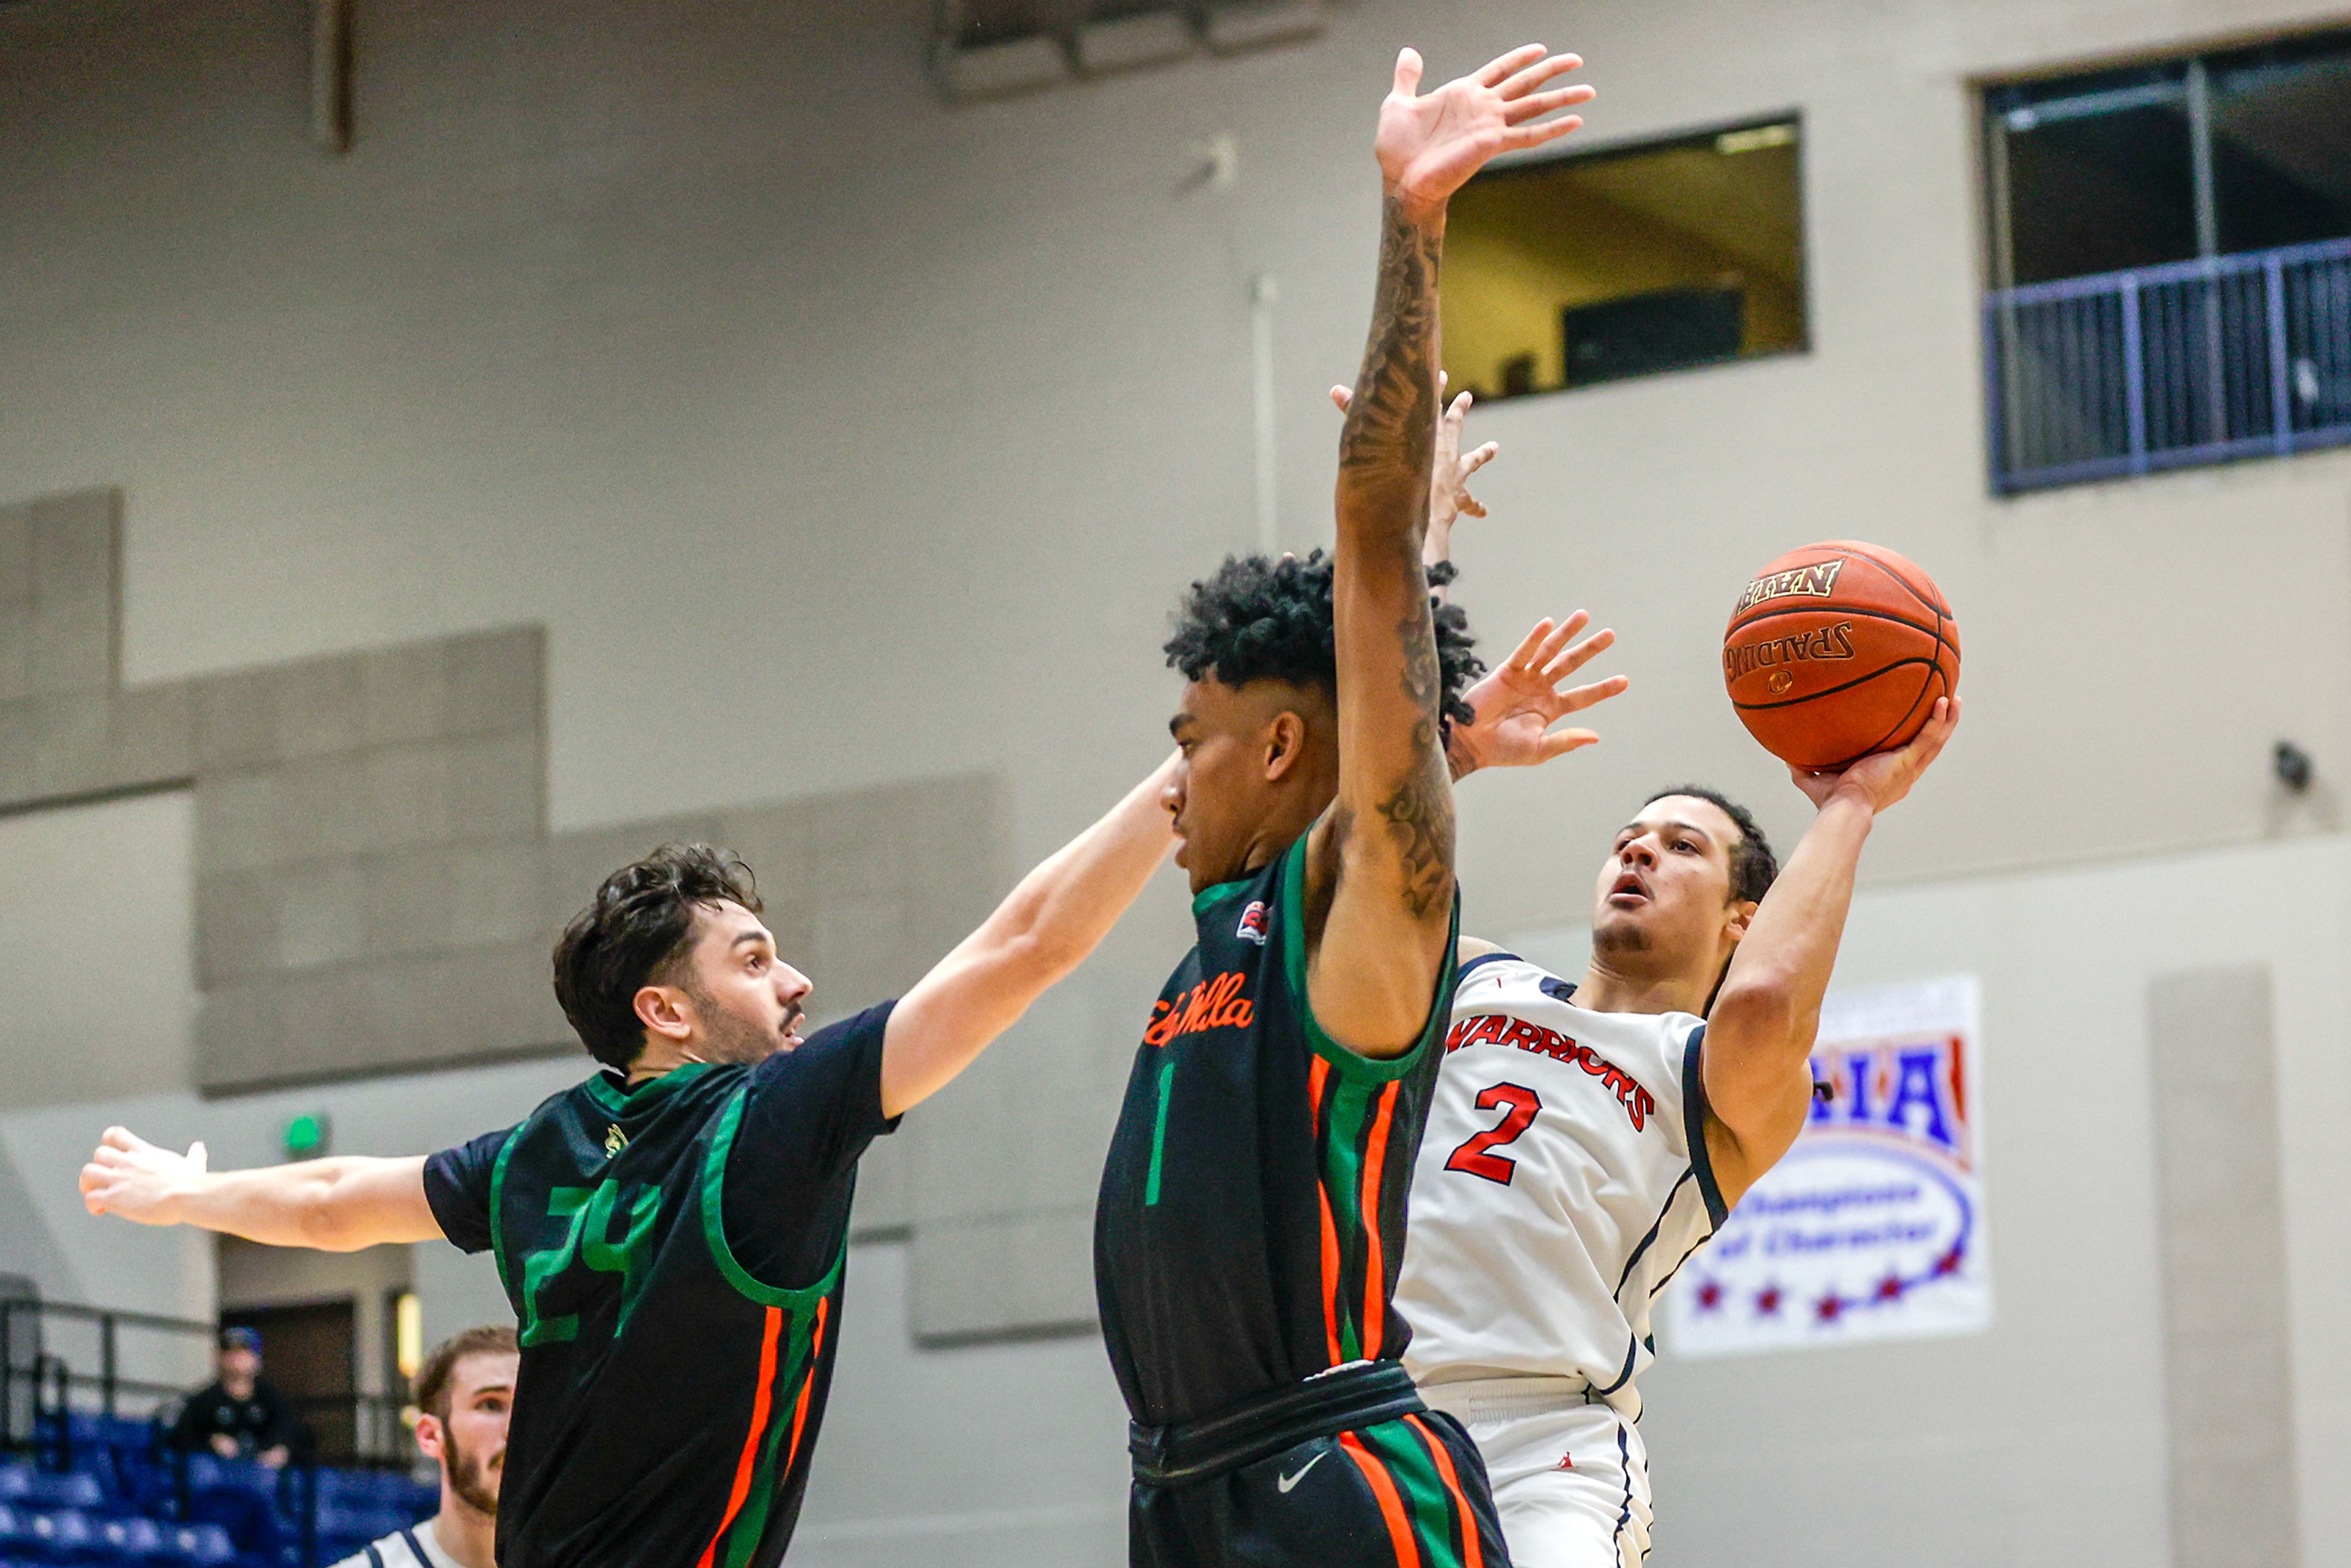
(1286, 1482)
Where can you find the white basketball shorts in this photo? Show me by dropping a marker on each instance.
(1571, 1479)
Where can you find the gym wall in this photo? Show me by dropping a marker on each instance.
(838, 438)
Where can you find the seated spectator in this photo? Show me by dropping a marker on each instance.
(238, 1415)
(465, 1392)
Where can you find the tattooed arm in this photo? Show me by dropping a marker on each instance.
(1380, 865)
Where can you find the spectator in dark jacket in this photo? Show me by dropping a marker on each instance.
(238, 1414)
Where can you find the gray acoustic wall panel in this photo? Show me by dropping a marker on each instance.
(377, 891)
(376, 887)
(2229, 1376)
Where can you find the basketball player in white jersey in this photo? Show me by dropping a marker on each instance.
(1586, 1138)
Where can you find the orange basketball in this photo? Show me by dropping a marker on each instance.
(1838, 650)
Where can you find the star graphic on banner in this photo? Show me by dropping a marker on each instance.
(1710, 1295)
(1949, 1263)
(1890, 1288)
(1829, 1307)
(1766, 1300)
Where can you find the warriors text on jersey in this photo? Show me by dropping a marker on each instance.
(1251, 1217)
(674, 1253)
(1562, 1180)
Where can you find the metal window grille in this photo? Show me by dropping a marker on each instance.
(2199, 361)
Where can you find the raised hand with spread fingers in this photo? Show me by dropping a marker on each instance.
(1519, 699)
(1430, 143)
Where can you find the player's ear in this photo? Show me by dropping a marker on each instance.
(1285, 745)
(429, 1436)
(665, 1011)
(1739, 916)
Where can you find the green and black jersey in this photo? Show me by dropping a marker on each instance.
(674, 1253)
(1251, 1217)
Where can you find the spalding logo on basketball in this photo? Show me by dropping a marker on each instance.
(1838, 650)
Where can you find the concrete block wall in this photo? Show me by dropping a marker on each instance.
(376, 888)
(370, 830)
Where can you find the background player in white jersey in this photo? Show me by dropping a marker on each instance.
(1585, 1139)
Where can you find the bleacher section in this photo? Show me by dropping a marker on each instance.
(105, 1493)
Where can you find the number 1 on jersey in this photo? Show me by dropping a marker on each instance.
(1474, 1156)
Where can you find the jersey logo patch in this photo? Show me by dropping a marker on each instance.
(1211, 1004)
(615, 1140)
(1255, 923)
(1500, 1028)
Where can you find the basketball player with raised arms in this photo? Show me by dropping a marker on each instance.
(673, 1232)
(1251, 1212)
(1586, 1138)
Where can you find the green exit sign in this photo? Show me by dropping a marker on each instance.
(307, 1136)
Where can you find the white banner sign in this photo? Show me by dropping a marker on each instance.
(1872, 1227)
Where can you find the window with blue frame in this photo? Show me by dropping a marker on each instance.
(2170, 261)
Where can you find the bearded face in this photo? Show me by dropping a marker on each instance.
(475, 1475)
(470, 1440)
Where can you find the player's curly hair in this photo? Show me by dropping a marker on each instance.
(1753, 867)
(633, 932)
(1259, 618)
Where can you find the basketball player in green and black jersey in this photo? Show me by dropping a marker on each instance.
(671, 1232)
(1252, 1213)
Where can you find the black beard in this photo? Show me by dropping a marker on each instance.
(466, 1479)
(727, 1038)
(1616, 939)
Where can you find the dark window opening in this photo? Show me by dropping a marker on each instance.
(2213, 155)
(1595, 268)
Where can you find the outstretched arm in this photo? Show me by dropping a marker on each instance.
(1381, 863)
(332, 1205)
(1448, 483)
(1519, 701)
(1756, 1060)
(1044, 929)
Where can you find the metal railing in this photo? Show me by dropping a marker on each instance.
(2165, 367)
(37, 1384)
(31, 1375)
(46, 1405)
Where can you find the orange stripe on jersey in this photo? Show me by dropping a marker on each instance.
(1383, 1488)
(1376, 1300)
(1473, 1555)
(751, 1457)
(1317, 1074)
(807, 1383)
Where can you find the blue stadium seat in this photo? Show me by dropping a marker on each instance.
(65, 1490)
(210, 1472)
(16, 1532)
(200, 1546)
(388, 1487)
(62, 1535)
(132, 1540)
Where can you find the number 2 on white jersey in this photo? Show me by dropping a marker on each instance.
(1476, 1156)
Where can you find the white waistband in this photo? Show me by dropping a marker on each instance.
(1506, 1398)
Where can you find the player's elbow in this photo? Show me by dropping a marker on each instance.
(1037, 957)
(324, 1221)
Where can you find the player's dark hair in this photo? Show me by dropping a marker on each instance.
(1258, 619)
(1753, 866)
(431, 1381)
(640, 923)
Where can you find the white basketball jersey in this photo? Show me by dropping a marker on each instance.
(1561, 1181)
